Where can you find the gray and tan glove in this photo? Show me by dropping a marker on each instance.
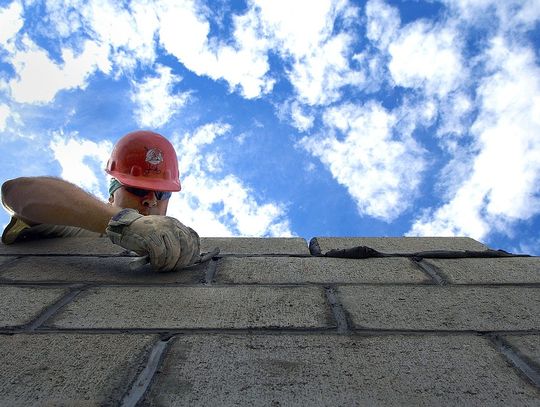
(167, 242)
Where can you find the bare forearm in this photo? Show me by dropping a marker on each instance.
(55, 201)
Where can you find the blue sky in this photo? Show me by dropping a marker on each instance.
(291, 118)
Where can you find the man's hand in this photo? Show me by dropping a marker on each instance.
(169, 244)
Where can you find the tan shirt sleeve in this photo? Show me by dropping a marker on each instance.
(17, 231)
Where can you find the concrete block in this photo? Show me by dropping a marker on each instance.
(94, 269)
(6, 260)
(396, 244)
(442, 307)
(255, 245)
(197, 307)
(69, 369)
(527, 346)
(489, 271)
(20, 305)
(272, 270)
(330, 370)
(68, 245)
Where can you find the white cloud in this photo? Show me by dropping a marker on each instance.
(82, 161)
(219, 206)
(320, 66)
(320, 76)
(302, 120)
(128, 31)
(383, 22)
(423, 56)
(426, 57)
(5, 113)
(529, 246)
(155, 99)
(454, 114)
(511, 14)
(502, 183)
(32, 65)
(184, 32)
(10, 22)
(380, 169)
(63, 17)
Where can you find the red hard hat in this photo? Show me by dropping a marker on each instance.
(144, 159)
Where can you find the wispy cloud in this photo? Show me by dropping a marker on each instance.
(5, 113)
(243, 64)
(363, 150)
(319, 58)
(155, 99)
(82, 161)
(11, 22)
(503, 184)
(220, 204)
(32, 65)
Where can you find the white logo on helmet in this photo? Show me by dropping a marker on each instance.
(154, 157)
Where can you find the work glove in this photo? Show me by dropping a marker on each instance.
(168, 243)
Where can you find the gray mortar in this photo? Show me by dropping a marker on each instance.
(526, 345)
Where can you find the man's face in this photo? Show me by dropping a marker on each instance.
(146, 205)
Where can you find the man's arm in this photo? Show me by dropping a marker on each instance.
(54, 201)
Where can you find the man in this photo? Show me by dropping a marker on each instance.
(144, 171)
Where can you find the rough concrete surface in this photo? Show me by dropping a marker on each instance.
(275, 327)
(527, 345)
(20, 305)
(67, 245)
(6, 259)
(442, 308)
(94, 269)
(324, 370)
(255, 245)
(400, 244)
(69, 369)
(265, 270)
(197, 307)
(517, 270)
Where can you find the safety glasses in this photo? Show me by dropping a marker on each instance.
(160, 195)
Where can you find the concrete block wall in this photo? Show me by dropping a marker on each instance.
(269, 322)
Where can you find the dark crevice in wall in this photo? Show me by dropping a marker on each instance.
(143, 381)
(433, 272)
(54, 308)
(525, 367)
(338, 311)
(211, 270)
(331, 330)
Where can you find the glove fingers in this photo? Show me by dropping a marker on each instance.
(157, 251)
(172, 251)
(165, 253)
